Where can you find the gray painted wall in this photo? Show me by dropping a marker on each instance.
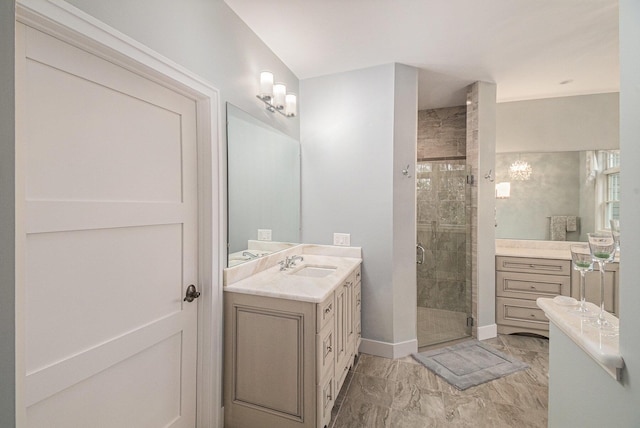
(580, 393)
(352, 157)
(585, 122)
(486, 155)
(207, 38)
(7, 215)
(405, 130)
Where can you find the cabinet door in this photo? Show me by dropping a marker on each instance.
(349, 315)
(341, 338)
(357, 316)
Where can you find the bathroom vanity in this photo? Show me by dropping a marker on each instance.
(292, 331)
(528, 270)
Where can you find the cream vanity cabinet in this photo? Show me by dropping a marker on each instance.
(519, 282)
(286, 360)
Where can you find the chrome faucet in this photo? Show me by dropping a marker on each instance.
(248, 254)
(289, 262)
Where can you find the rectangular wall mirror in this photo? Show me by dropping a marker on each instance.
(263, 171)
(580, 184)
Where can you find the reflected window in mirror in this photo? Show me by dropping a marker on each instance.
(608, 188)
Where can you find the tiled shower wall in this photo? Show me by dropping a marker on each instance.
(442, 211)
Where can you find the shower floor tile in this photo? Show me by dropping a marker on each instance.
(438, 325)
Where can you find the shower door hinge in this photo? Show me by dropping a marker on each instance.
(469, 179)
(469, 321)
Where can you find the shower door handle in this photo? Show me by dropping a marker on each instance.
(419, 254)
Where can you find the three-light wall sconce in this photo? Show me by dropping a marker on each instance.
(275, 96)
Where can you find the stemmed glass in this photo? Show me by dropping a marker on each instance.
(615, 231)
(583, 263)
(603, 250)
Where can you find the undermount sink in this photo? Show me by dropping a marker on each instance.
(314, 271)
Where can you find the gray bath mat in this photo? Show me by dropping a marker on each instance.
(469, 363)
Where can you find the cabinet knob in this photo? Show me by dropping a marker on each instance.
(328, 309)
(533, 287)
(329, 349)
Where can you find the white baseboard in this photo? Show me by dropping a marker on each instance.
(487, 331)
(389, 350)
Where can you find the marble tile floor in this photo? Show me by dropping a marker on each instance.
(381, 393)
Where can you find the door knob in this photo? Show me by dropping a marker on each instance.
(191, 294)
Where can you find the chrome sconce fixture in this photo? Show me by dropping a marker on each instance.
(275, 96)
(503, 190)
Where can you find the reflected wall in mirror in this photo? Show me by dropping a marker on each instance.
(558, 186)
(263, 170)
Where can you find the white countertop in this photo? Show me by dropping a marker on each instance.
(537, 253)
(604, 349)
(559, 250)
(263, 276)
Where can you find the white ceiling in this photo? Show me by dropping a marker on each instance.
(530, 48)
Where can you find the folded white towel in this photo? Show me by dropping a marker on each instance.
(572, 223)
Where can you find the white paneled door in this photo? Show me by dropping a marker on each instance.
(109, 171)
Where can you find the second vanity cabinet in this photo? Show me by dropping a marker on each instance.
(519, 282)
(286, 360)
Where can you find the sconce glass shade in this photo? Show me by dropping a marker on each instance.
(279, 93)
(520, 170)
(503, 190)
(291, 105)
(266, 85)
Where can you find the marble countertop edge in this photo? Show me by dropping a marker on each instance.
(264, 277)
(600, 347)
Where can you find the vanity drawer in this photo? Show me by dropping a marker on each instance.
(531, 286)
(326, 310)
(531, 265)
(326, 393)
(325, 345)
(341, 377)
(520, 313)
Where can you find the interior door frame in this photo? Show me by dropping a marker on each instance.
(65, 22)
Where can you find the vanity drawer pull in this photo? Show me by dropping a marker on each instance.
(329, 349)
(328, 308)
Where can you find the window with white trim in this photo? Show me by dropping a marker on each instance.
(608, 202)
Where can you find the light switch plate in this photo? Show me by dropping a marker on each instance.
(342, 239)
(264, 234)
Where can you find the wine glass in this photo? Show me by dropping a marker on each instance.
(583, 263)
(603, 250)
(615, 231)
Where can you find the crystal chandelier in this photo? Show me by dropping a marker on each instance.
(520, 170)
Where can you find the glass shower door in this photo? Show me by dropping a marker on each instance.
(443, 228)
